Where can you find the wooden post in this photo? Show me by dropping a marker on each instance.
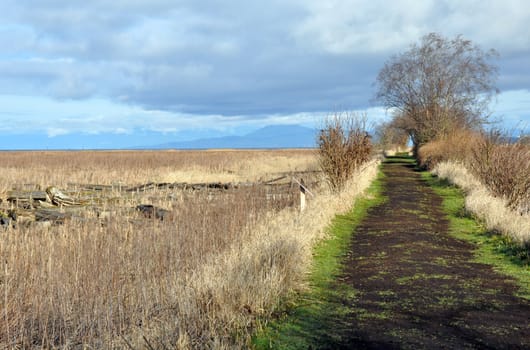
(302, 195)
(303, 191)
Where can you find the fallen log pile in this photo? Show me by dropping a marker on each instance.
(28, 204)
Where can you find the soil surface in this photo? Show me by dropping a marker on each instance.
(417, 287)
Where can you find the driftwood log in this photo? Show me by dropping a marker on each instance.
(52, 215)
(60, 198)
(18, 197)
(30, 205)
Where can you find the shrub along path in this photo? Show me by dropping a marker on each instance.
(419, 287)
(408, 283)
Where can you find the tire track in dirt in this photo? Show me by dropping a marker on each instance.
(416, 286)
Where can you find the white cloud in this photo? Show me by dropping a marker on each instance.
(353, 26)
(206, 61)
(356, 26)
(502, 25)
(53, 132)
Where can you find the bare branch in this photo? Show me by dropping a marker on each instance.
(437, 86)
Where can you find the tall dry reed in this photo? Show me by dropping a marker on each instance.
(504, 168)
(196, 280)
(501, 165)
(494, 173)
(493, 211)
(59, 168)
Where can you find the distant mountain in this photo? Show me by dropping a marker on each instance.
(273, 136)
(86, 141)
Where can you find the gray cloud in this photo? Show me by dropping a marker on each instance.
(237, 57)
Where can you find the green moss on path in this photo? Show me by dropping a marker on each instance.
(407, 279)
(307, 322)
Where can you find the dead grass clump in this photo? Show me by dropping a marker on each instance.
(250, 280)
(504, 168)
(495, 174)
(493, 211)
(87, 283)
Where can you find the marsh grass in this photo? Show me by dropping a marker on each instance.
(502, 251)
(199, 279)
(479, 201)
(311, 320)
(59, 168)
(501, 165)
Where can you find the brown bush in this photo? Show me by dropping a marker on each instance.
(504, 168)
(343, 145)
(457, 146)
(432, 153)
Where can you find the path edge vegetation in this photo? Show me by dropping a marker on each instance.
(491, 248)
(284, 331)
(328, 257)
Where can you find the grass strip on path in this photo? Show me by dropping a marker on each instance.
(438, 287)
(492, 249)
(310, 318)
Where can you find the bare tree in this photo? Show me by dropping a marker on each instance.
(438, 86)
(390, 136)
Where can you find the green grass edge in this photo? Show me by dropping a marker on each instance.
(304, 322)
(491, 248)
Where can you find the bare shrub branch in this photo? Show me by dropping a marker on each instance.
(457, 146)
(504, 168)
(343, 144)
(391, 137)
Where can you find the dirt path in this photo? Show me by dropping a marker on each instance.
(416, 286)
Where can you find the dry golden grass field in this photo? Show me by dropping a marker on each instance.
(102, 275)
(108, 167)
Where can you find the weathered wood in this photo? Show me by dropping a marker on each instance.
(302, 185)
(181, 185)
(60, 198)
(270, 182)
(44, 204)
(55, 205)
(302, 195)
(16, 196)
(53, 215)
(143, 188)
(212, 186)
(92, 187)
(26, 187)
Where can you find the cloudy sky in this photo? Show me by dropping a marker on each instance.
(110, 72)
